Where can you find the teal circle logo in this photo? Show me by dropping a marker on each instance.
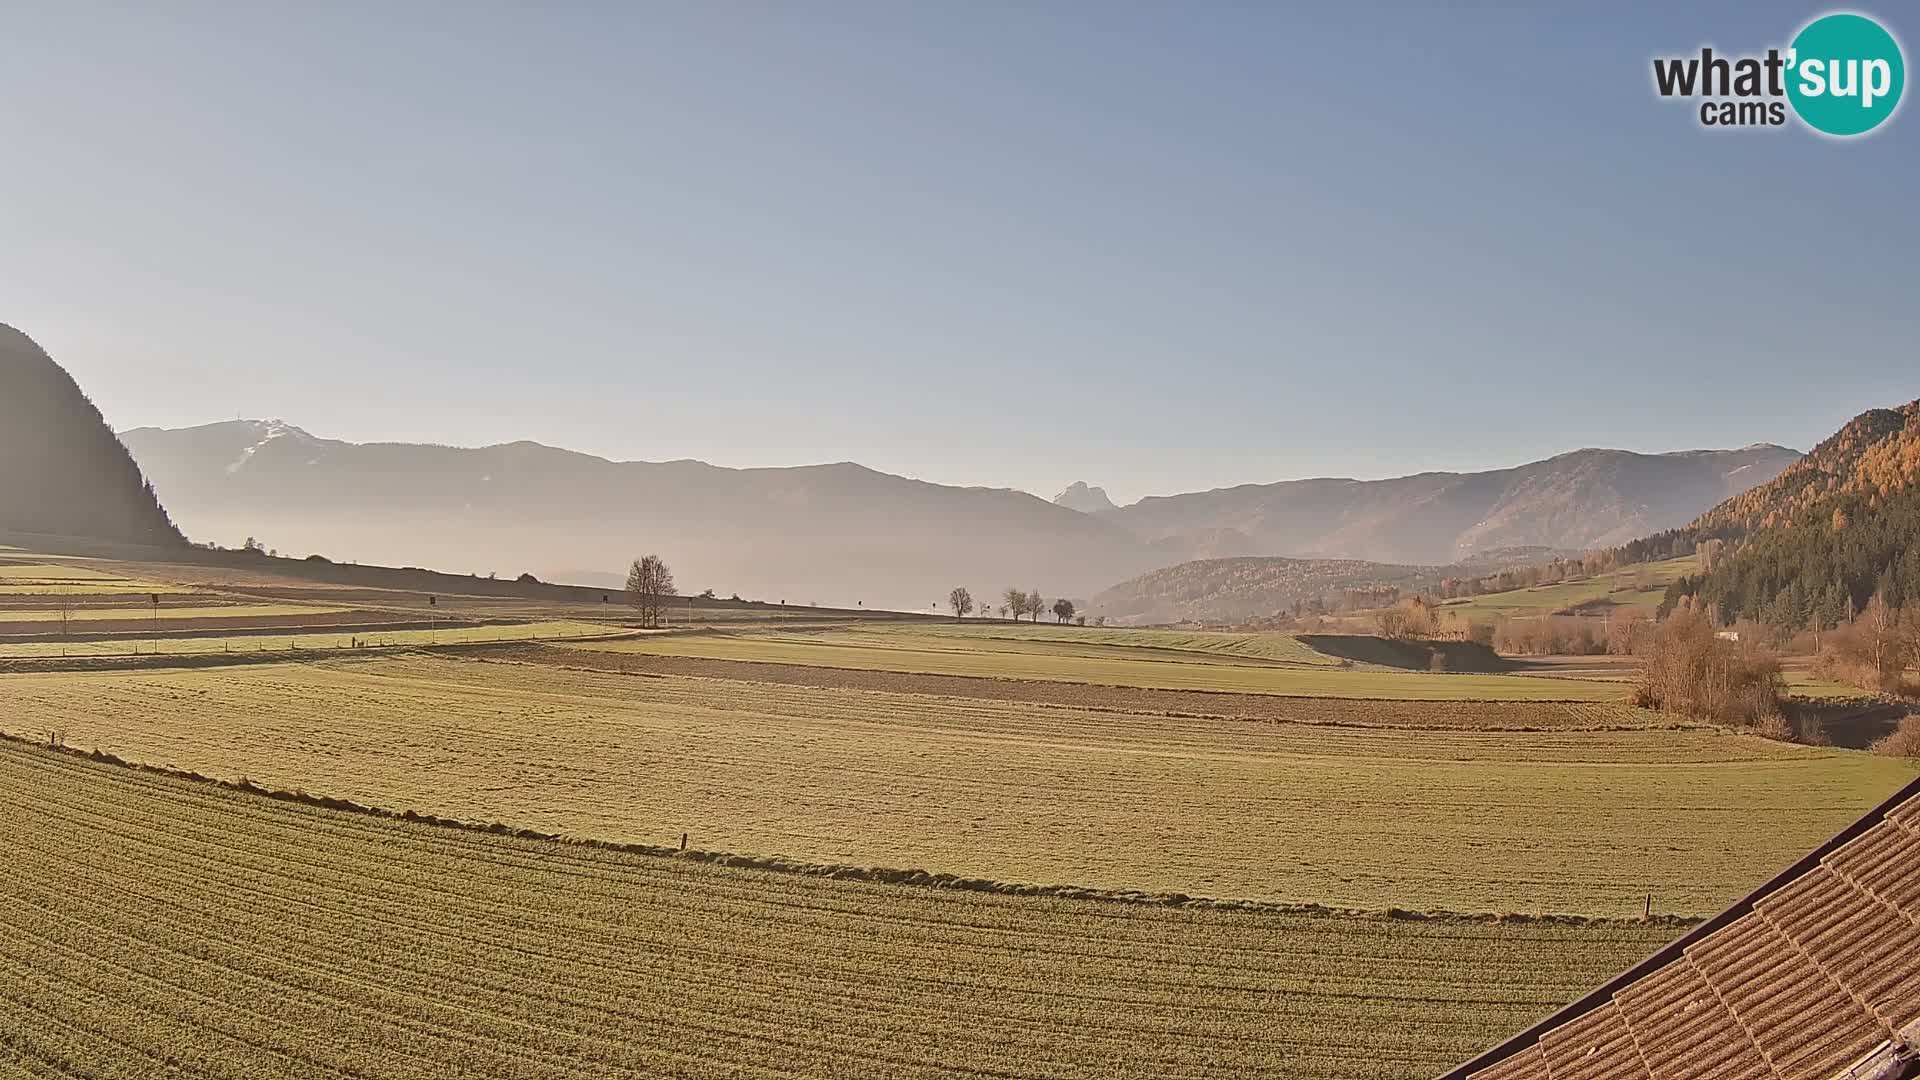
(1845, 74)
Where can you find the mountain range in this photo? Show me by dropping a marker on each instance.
(839, 533)
(1583, 499)
(846, 534)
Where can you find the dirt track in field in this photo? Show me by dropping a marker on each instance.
(1485, 716)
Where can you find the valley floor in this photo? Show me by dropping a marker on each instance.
(1013, 851)
(1365, 816)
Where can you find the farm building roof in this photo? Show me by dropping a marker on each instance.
(1813, 976)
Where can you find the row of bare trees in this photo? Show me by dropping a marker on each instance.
(650, 584)
(1019, 603)
(1015, 603)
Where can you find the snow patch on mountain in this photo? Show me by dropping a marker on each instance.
(265, 432)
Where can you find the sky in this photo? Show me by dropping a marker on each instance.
(1158, 247)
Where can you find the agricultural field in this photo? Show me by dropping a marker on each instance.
(23, 576)
(30, 581)
(1411, 714)
(178, 612)
(1283, 648)
(154, 926)
(303, 639)
(984, 651)
(1640, 587)
(1560, 821)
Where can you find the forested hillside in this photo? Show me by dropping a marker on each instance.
(62, 470)
(1818, 541)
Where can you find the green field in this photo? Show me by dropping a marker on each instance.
(1284, 648)
(1640, 587)
(304, 641)
(150, 926)
(120, 614)
(1583, 822)
(984, 651)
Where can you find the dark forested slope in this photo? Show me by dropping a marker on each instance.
(62, 470)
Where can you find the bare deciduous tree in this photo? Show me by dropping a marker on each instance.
(1014, 601)
(64, 605)
(649, 583)
(1626, 628)
(961, 601)
(1035, 604)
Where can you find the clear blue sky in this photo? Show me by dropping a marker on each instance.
(1159, 247)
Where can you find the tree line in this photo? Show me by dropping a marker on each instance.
(1016, 604)
(650, 585)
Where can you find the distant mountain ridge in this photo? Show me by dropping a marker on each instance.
(847, 534)
(1582, 499)
(838, 533)
(62, 471)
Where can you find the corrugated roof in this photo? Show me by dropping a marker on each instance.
(1809, 976)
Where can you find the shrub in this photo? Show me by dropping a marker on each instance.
(1810, 730)
(1904, 741)
(1774, 726)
